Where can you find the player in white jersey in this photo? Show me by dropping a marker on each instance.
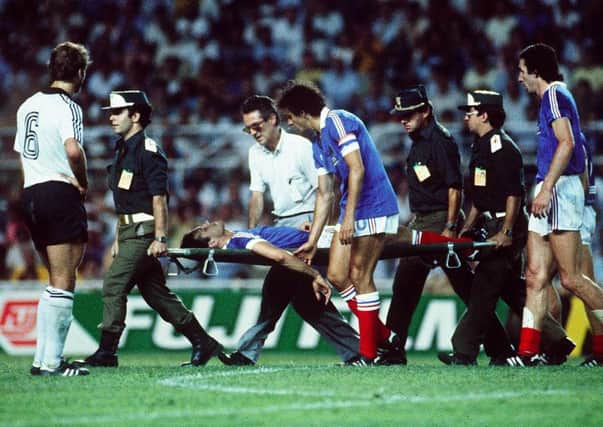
(49, 140)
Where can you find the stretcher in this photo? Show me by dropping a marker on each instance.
(207, 259)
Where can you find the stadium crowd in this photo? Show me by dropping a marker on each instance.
(197, 61)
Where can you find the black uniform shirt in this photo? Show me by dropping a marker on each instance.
(433, 166)
(496, 171)
(138, 172)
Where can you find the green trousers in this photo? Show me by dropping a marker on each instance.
(133, 267)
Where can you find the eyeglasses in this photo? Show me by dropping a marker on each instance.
(471, 113)
(255, 127)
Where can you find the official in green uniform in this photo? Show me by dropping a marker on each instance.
(139, 181)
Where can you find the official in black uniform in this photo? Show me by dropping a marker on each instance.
(435, 184)
(498, 195)
(138, 179)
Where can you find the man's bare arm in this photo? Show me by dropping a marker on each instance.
(256, 208)
(77, 162)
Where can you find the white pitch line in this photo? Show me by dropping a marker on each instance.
(142, 417)
(198, 382)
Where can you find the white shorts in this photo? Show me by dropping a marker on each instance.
(372, 226)
(566, 209)
(589, 225)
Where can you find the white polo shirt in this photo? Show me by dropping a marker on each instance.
(288, 172)
(44, 122)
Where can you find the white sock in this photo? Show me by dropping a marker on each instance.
(41, 320)
(59, 317)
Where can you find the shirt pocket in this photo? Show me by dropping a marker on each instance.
(299, 187)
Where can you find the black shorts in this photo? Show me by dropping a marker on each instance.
(55, 213)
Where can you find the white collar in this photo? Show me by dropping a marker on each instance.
(279, 144)
(323, 116)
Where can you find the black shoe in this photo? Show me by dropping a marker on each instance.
(202, 353)
(66, 369)
(527, 361)
(35, 370)
(456, 359)
(235, 359)
(559, 352)
(359, 361)
(592, 361)
(501, 360)
(391, 354)
(100, 358)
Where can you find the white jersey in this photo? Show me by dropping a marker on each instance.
(44, 122)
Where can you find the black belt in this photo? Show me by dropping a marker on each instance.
(292, 215)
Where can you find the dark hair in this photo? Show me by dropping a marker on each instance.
(541, 59)
(66, 61)
(264, 104)
(300, 97)
(145, 112)
(496, 116)
(190, 241)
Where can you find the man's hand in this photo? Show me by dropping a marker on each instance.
(501, 240)
(157, 249)
(541, 203)
(451, 234)
(82, 190)
(346, 232)
(321, 289)
(114, 248)
(306, 252)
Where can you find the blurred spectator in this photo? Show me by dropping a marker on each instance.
(339, 83)
(22, 260)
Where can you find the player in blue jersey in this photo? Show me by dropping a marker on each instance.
(343, 148)
(558, 207)
(265, 241)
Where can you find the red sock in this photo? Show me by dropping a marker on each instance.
(368, 320)
(529, 342)
(425, 237)
(383, 332)
(367, 325)
(353, 305)
(598, 346)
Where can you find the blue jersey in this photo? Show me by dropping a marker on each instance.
(341, 133)
(557, 102)
(591, 196)
(281, 237)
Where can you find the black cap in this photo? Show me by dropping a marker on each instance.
(127, 98)
(409, 100)
(477, 98)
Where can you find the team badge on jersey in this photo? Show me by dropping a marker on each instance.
(495, 143)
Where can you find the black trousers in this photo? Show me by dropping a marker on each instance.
(498, 275)
(409, 282)
(283, 287)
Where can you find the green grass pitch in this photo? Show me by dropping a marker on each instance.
(301, 390)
